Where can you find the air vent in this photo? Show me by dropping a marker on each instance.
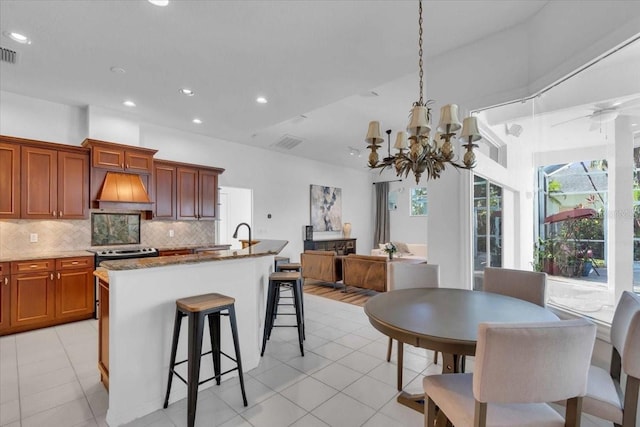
(8, 55)
(287, 142)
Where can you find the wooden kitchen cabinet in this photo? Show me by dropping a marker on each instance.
(5, 302)
(55, 183)
(103, 332)
(108, 155)
(32, 293)
(74, 297)
(197, 193)
(171, 252)
(9, 180)
(46, 292)
(164, 190)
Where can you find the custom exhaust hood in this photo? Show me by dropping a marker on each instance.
(123, 191)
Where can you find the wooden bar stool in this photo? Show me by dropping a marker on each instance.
(289, 266)
(279, 260)
(278, 281)
(197, 308)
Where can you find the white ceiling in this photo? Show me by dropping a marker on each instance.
(320, 59)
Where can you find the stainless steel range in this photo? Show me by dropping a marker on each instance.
(113, 254)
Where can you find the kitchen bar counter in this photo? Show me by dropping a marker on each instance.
(264, 248)
(142, 298)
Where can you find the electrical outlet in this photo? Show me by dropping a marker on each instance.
(33, 237)
(171, 233)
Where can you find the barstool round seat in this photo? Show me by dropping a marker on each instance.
(204, 302)
(291, 266)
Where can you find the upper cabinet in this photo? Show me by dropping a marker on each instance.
(107, 155)
(185, 191)
(9, 180)
(47, 181)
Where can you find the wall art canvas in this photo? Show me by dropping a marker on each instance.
(326, 208)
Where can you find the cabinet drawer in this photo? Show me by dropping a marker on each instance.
(32, 265)
(77, 262)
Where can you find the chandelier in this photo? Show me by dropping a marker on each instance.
(423, 154)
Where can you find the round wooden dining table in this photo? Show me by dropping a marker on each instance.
(444, 320)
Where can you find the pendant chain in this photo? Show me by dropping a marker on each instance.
(421, 73)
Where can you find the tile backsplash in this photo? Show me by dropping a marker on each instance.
(73, 235)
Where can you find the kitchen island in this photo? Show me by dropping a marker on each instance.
(138, 323)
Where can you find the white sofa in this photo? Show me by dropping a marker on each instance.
(417, 251)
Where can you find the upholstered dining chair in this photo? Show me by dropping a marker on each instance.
(519, 368)
(604, 398)
(525, 285)
(405, 275)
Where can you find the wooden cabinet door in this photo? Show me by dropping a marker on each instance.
(138, 162)
(9, 180)
(73, 185)
(5, 303)
(39, 192)
(164, 191)
(103, 332)
(187, 193)
(74, 292)
(107, 157)
(208, 194)
(32, 298)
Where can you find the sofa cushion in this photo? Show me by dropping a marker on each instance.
(402, 248)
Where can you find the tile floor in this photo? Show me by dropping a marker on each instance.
(49, 378)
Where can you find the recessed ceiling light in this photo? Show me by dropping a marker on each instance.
(197, 121)
(17, 37)
(129, 103)
(187, 92)
(161, 3)
(117, 70)
(261, 100)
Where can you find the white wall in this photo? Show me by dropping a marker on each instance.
(280, 182)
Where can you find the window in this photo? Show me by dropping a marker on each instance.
(636, 220)
(487, 224)
(571, 221)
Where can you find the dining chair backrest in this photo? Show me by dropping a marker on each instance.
(532, 362)
(625, 332)
(405, 275)
(525, 285)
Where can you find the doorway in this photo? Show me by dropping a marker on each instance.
(236, 206)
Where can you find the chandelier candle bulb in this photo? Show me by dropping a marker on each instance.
(470, 132)
(401, 141)
(373, 134)
(420, 118)
(449, 121)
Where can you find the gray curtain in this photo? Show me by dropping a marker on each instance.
(381, 231)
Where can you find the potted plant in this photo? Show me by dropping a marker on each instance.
(390, 249)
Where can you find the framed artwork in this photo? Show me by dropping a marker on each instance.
(393, 201)
(418, 200)
(326, 208)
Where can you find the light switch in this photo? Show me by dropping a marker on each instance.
(171, 234)
(33, 237)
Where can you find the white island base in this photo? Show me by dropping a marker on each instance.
(141, 316)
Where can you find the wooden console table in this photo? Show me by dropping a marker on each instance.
(339, 246)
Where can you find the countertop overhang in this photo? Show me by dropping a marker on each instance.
(264, 248)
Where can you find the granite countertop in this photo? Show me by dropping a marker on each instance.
(22, 256)
(102, 274)
(264, 248)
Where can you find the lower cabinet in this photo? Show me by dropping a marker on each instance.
(48, 292)
(5, 303)
(103, 332)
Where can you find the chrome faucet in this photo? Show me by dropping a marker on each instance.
(235, 234)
